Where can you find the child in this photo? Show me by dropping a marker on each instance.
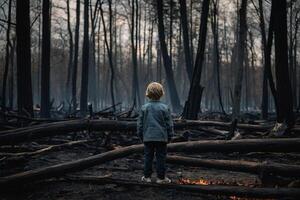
(155, 129)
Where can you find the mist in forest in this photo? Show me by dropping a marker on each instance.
(101, 53)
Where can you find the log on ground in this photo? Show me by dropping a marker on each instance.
(238, 165)
(57, 128)
(238, 191)
(246, 145)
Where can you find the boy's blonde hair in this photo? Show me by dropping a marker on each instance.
(154, 91)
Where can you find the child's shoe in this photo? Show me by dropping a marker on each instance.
(163, 181)
(146, 180)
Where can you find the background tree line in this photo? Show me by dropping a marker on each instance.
(211, 55)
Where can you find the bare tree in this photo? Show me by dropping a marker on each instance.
(45, 67)
(108, 48)
(240, 60)
(71, 49)
(166, 58)
(135, 82)
(216, 59)
(284, 90)
(8, 44)
(24, 87)
(85, 60)
(186, 40)
(75, 62)
(192, 105)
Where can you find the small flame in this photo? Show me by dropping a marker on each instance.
(214, 182)
(203, 182)
(194, 182)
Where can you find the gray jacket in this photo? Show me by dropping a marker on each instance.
(154, 122)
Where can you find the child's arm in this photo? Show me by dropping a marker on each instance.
(140, 124)
(169, 124)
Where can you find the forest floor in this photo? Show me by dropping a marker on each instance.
(131, 168)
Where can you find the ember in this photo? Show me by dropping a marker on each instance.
(195, 182)
(215, 182)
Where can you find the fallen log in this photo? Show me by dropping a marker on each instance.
(30, 119)
(43, 150)
(246, 145)
(55, 128)
(238, 191)
(43, 130)
(238, 165)
(226, 125)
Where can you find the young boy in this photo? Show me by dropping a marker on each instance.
(155, 129)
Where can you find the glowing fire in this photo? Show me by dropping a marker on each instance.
(204, 182)
(194, 182)
(215, 182)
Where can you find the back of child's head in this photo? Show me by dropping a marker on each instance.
(154, 91)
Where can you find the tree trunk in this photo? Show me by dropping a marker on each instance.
(284, 90)
(135, 82)
(240, 60)
(186, 40)
(192, 105)
(71, 47)
(24, 87)
(75, 62)
(12, 74)
(291, 55)
(267, 56)
(8, 44)
(109, 52)
(166, 59)
(85, 60)
(92, 82)
(45, 67)
(216, 58)
(265, 94)
(171, 31)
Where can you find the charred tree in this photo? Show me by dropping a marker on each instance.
(85, 60)
(7, 54)
(135, 82)
(171, 30)
(92, 82)
(265, 94)
(284, 89)
(75, 62)
(166, 58)
(24, 86)
(12, 74)
(71, 53)
(240, 60)
(267, 48)
(186, 40)
(216, 59)
(109, 50)
(192, 105)
(45, 65)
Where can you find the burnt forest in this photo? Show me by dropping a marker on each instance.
(75, 99)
